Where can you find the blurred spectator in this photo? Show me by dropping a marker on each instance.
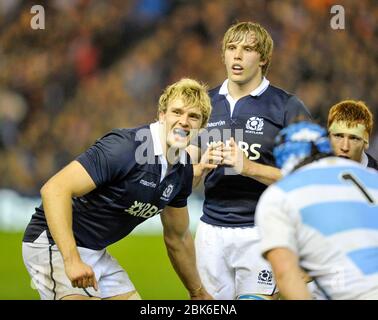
(12, 111)
(148, 11)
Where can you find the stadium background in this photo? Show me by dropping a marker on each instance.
(102, 64)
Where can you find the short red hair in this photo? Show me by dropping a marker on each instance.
(351, 112)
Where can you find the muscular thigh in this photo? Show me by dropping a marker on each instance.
(253, 274)
(46, 267)
(134, 295)
(216, 275)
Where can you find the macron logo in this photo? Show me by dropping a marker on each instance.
(150, 184)
(216, 124)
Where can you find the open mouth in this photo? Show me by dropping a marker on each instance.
(237, 67)
(181, 132)
(345, 157)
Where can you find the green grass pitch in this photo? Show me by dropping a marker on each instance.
(143, 257)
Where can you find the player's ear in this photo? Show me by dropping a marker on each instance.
(366, 141)
(262, 63)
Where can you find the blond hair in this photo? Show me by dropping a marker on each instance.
(351, 112)
(192, 93)
(263, 41)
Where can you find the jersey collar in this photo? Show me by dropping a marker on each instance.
(254, 93)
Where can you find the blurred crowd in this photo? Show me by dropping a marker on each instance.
(100, 64)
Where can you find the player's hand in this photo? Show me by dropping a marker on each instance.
(233, 156)
(306, 277)
(201, 294)
(212, 157)
(81, 275)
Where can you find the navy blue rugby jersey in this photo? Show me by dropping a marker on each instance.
(128, 190)
(230, 200)
(372, 163)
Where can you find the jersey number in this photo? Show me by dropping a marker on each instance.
(352, 178)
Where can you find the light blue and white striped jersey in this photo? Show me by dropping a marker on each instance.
(327, 213)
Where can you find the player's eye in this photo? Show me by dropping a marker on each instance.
(195, 116)
(355, 139)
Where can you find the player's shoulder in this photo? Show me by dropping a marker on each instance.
(273, 196)
(300, 177)
(272, 89)
(124, 139)
(281, 94)
(287, 103)
(127, 134)
(214, 93)
(325, 171)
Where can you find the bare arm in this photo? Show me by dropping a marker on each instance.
(288, 274)
(234, 157)
(261, 172)
(180, 248)
(57, 193)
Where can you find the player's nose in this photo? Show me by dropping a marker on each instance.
(345, 144)
(184, 119)
(238, 53)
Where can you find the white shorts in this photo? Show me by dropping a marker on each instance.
(230, 263)
(45, 265)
